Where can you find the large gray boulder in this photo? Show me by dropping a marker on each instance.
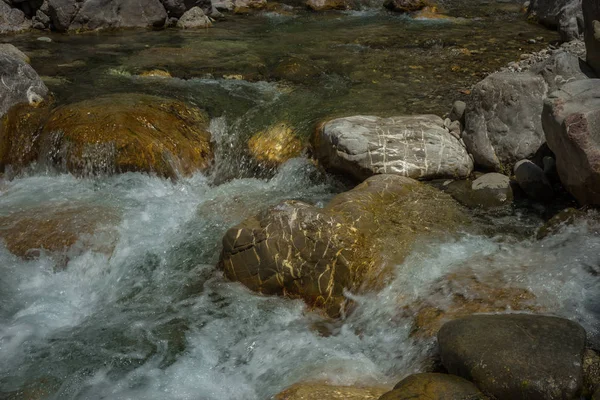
(571, 121)
(418, 147)
(516, 356)
(19, 82)
(502, 122)
(107, 14)
(62, 13)
(194, 18)
(12, 19)
(591, 13)
(564, 15)
(562, 67)
(176, 8)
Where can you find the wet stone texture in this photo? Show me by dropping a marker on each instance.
(299, 250)
(432, 386)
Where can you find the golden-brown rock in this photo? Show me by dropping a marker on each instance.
(319, 391)
(299, 250)
(156, 73)
(128, 132)
(323, 5)
(434, 387)
(275, 145)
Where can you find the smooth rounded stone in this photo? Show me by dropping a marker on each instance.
(194, 18)
(458, 111)
(12, 20)
(571, 120)
(317, 391)
(502, 121)
(21, 83)
(591, 14)
(354, 243)
(110, 14)
(488, 191)
(562, 67)
(417, 146)
(516, 356)
(11, 51)
(405, 6)
(324, 5)
(275, 145)
(533, 181)
(433, 386)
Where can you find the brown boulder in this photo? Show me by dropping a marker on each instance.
(275, 145)
(111, 134)
(405, 6)
(299, 250)
(324, 5)
(431, 386)
(317, 391)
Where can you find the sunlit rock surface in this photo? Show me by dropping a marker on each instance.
(275, 145)
(418, 147)
(316, 391)
(431, 386)
(299, 250)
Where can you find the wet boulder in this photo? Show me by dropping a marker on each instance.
(21, 83)
(302, 251)
(534, 182)
(12, 19)
(275, 145)
(591, 13)
(318, 391)
(516, 356)
(194, 18)
(110, 14)
(571, 121)
(417, 146)
(432, 386)
(502, 123)
(488, 191)
(405, 6)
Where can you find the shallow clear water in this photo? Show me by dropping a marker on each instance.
(138, 309)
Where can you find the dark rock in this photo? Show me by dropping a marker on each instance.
(487, 191)
(22, 84)
(502, 121)
(564, 218)
(564, 15)
(516, 356)
(176, 8)
(417, 146)
(533, 181)
(458, 111)
(434, 387)
(323, 5)
(405, 6)
(299, 250)
(12, 19)
(591, 14)
(591, 372)
(62, 12)
(109, 14)
(571, 120)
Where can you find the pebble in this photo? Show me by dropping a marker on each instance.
(44, 39)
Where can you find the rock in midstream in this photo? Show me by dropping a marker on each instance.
(434, 386)
(299, 250)
(417, 146)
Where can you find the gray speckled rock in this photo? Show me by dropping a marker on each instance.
(194, 18)
(564, 15)
(516, 356)
(62, 12)
(416, 146)
(107, 14)
(503, 124)
(571, 121)
(12, 19)
(19, 83)
(591, 13)
(562, 67)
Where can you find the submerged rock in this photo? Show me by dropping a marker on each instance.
(194, 18)
(571, 121)
(21, 84)
(516, 356)
(432, 386)
(275, 145)
(299, 250)
(317, 391)
(591, 13)
(487, 191)
(503, 122)
(419, 147)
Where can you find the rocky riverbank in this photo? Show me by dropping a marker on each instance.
(527, 133)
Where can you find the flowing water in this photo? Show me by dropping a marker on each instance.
(137, 309)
